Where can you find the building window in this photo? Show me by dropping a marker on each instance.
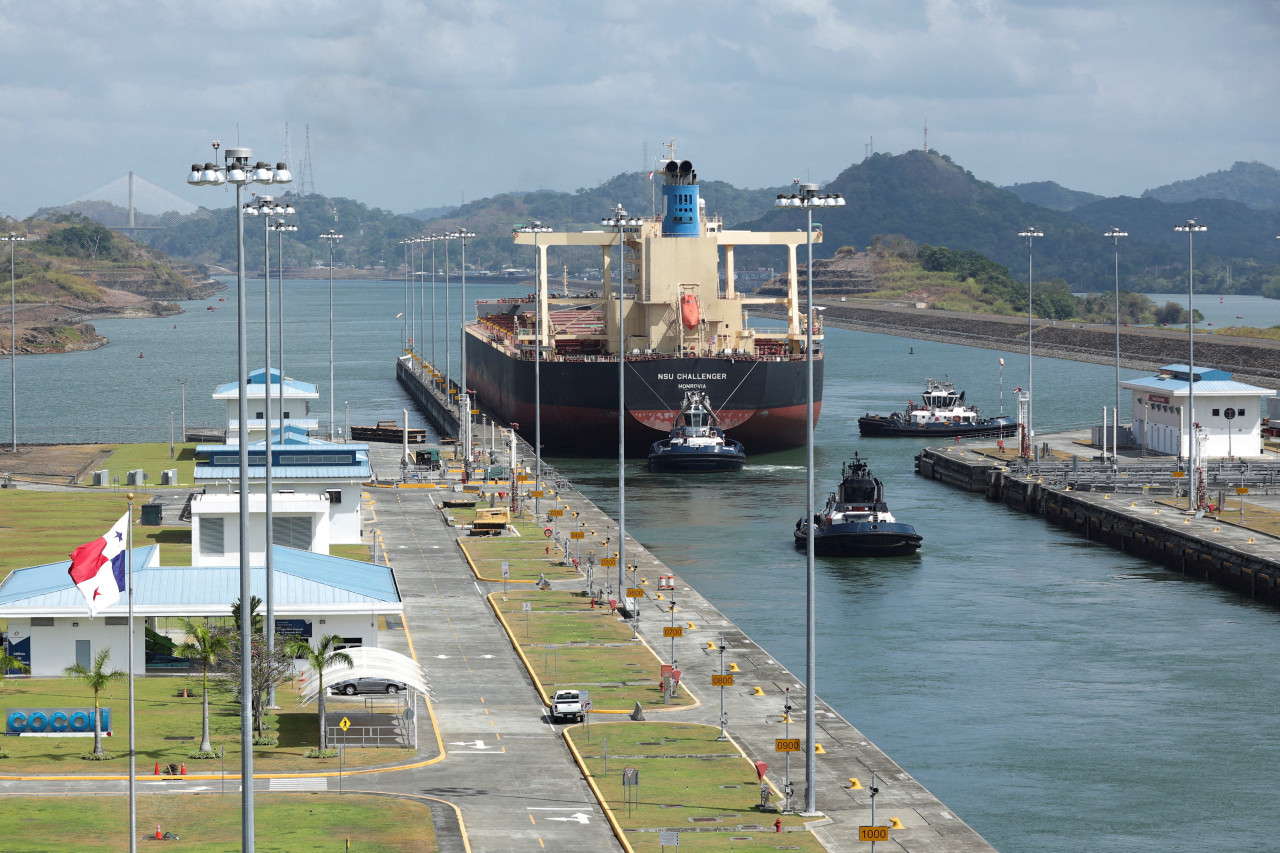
(292, 531)
(335, 495)
(1239, 413)
(211, 536)
(1217, 412)
(258, 415)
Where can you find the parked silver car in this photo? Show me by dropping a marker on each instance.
(368, 684)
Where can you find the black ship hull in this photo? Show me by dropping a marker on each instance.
(760, 403)
(874, 426)
(861, 539)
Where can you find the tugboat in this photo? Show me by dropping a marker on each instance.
(940, 414)
(856, 521)
(696, 442)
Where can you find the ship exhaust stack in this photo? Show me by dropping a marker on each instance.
(681, 217)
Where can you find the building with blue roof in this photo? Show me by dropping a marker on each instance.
(315, 500)
(1228, 413)
(263, 397)
(314, 595)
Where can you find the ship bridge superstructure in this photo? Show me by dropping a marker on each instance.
(673, 303)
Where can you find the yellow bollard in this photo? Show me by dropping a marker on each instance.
(894, 823)
(818, 750)
(692, 627)
(658, 597)
(733, 667)
(854, 784)
(711, 645)
(757, 692)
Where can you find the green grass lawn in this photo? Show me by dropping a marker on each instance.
(169, 729)
(45, 527)
(528, 555)
(151, 458)
(351, 552)
(569, 644)
(687, 781)
(283, 823)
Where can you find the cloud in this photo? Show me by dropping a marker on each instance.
(413, 103)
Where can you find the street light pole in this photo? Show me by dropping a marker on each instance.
(434, 238)
(236, 170)
(1029, 234)
(535, 228)
(267, 207)
(808, 197)
(407, 325)
(1193, 492)
(13, 351)
(448, 353)
(619, 219)
(183, 383)
(280, 226)
(463, 235)
(1115, 234)
(331, 237)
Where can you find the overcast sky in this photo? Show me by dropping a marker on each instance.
(419, 103)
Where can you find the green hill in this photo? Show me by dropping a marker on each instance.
(1051, 195)
(1254, 184)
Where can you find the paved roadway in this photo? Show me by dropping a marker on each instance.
(504, 766)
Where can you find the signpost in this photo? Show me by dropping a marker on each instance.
(527, 607)
(631, 787)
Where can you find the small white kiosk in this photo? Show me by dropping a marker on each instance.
(1228, 413)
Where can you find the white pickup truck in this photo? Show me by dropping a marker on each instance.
(567, 704)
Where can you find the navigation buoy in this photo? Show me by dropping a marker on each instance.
(140, 355)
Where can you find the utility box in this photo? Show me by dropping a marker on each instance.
(169, 477)
(102, 478)
(152, 514)
(491, 521)
(135, 477)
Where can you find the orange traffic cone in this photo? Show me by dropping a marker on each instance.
(158, 835)
(157, 768)
(184, 769)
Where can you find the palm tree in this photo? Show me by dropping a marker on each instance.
(204, 647)
(255, 618)
(324, 656)
(9, 662)
(97, 678)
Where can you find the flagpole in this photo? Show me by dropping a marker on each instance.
(133, 760)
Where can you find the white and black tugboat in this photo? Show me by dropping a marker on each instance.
(941, 413)
(856, 521)
(696, 442)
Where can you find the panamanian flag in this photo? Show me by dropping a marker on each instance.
(97, 567)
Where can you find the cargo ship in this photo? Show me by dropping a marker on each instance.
(677, 325)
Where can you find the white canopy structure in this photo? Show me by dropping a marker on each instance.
(368, 661)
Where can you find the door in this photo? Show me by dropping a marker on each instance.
(82, 654)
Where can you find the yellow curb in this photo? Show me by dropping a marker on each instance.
(591, 782)
(462, 547)
(537, 682)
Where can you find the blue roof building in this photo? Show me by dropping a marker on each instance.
(315, 501)
(263, 398)
(314, 595)
(1227, 418)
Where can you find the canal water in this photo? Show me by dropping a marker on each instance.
(1056, 694)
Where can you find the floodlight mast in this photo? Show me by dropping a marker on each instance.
(808, 197)
(237, 171)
